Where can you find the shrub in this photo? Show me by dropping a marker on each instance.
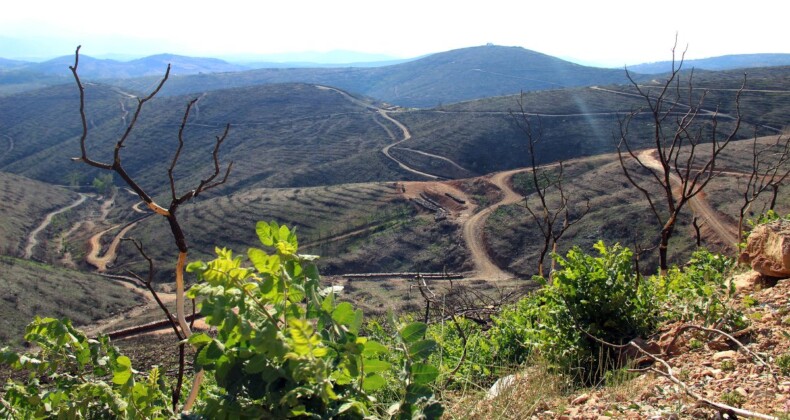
(601, 295)
(700, 292)
(285, 348)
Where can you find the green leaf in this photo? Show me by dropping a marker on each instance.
(421, 349)
(344, 314)
(196, 267)
(209, 354)
(423, 373)
(373, 348)
(373, 382)
(413, 332)
(264, 232)
(374, 365)
(199, 340)
(264, 262)
(122, 371)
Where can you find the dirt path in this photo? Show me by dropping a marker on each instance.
(31, 239)
(431, 155)
(401, 126)
(473, 229)
(723, 230)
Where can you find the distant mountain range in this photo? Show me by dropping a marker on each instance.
(448, 77)
(441, 78)
(725, 62)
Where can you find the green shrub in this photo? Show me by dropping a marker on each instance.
(700, 292)
(285, 348)
(601, 295)
(73, 376)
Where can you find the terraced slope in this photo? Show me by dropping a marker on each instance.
(281, 135)
(354, 227)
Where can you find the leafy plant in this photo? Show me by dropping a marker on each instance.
(700, 291)
(76, 377)
(597, 295)
(285, 348)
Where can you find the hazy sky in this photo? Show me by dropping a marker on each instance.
(602, 32)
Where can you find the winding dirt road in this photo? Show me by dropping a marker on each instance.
(405, 130)
(699, 206)
(31, 239)
(473, 229)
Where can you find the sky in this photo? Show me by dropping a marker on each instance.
(603, 32)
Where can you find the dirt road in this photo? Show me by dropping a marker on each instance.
(473, 229)
(699, 206)
(31, 239)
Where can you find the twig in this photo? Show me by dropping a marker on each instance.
(740, 345)
(667, 373)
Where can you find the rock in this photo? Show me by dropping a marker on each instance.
(581, 399)
(727, 354)
(768, 249)
(747, 281)
(501, 385)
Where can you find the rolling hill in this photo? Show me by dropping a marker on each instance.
(447, 77)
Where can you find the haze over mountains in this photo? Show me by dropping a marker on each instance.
(452, 76)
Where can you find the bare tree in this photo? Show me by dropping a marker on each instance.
(170, 212)
(553, 219)
(687, 143)
(769, 170)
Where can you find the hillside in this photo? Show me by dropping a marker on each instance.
(25, 205)
(724, 62)
(31, 288)
(446, 77)
(281, 135)
(298, 135)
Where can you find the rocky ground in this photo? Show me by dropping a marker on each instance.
(712, 367)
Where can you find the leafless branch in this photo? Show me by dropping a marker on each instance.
(676, 141)
(667, 372)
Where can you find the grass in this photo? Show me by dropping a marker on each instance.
(528, 393)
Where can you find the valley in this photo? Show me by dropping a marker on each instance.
(383, 172)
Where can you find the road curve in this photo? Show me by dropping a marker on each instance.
(31, 239)
(385, 115)
(698, 205)
(473, 229)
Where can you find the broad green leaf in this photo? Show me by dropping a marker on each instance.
(423, 373)
(374, 365)
(373, 382)
(196, 266)
(421, 349)
(122, 371)
(198, 340)
(413, 332)
(209, 354)
(343, 314)
(373, 348)
(264, 262)
(264, 232)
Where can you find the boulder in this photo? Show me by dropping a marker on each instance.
(768, 249)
